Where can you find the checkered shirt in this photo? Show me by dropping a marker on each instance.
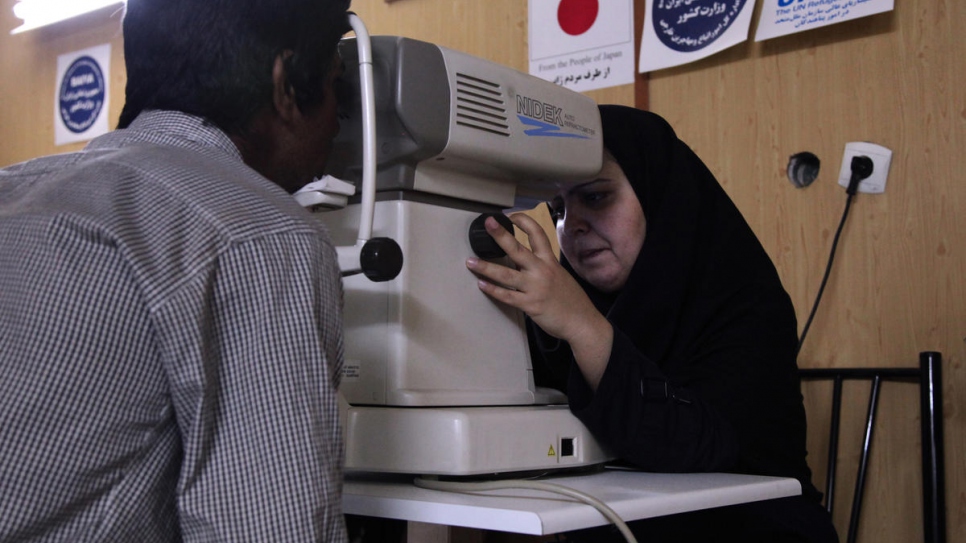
(170, 347)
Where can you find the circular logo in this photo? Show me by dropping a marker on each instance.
(690, 25)
(82, 94)
(577, 16)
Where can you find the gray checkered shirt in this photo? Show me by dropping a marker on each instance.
(170, 347)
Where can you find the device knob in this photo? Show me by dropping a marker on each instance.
(481, 242)
(381, 259)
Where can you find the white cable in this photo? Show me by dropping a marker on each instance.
(456, 486)
(368, 97)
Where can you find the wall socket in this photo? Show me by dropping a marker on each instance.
(881, 159)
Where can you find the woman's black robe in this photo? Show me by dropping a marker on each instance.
(702, 375)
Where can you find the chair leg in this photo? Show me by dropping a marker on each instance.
(833, 444)
(864, 461)
(933, 463)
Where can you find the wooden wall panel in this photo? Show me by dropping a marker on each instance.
(493, 29)
(28, 72)
(899, 282)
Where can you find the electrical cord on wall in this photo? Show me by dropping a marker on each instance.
(456, 486)
(861, 169)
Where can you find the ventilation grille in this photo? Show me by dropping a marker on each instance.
(481, 105)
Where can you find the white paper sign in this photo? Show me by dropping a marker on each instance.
(582, 44)
(781, 17)
(82, 91)
(681, 31)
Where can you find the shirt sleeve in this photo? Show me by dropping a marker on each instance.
(253, 350)
(647, 421)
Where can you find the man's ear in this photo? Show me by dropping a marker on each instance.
(283, 95)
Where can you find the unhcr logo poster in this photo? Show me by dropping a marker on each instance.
(781, 17)
(80, 105)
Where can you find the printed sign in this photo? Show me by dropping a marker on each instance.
(582, 44)
(80, 106)
(680, 31)
(782, 17)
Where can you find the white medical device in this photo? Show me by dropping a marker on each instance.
(438, 376)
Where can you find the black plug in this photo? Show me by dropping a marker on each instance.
(861, 169)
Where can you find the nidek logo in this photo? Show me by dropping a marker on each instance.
(548, 120)
(82, 94)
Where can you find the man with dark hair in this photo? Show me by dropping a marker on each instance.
(170, 318)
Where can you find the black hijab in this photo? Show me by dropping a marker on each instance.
(703, 306)
(701, 265)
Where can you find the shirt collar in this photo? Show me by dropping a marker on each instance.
(174, 128)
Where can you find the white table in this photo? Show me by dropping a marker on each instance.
(633, 495)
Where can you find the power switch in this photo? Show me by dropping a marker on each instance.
(566, 447)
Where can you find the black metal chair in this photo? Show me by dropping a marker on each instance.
(929, 377)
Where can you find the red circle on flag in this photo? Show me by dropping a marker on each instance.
(577, 16)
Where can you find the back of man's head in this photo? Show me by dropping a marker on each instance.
(214, 58)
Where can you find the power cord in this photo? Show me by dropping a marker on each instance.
(456, 486)
(862, 167)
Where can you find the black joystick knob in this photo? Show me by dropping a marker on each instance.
(381, 259)
(481, 242)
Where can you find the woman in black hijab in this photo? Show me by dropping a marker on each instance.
(668, 327)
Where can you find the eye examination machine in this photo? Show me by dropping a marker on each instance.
(438, 376)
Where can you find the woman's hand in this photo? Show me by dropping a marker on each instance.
(544, 290)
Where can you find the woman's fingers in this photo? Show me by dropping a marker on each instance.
(528, 286)
(540, 247)
(539, 241)
(506, 240)
(504, 295)
(495, 273)
(540, 287)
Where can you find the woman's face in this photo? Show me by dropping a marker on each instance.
(600, 226)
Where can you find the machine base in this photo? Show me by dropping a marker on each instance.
(465, 441)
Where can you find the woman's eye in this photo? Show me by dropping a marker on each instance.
(556, 209)
(592, 198)
(556, 213)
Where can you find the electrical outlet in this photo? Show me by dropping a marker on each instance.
(881, 159)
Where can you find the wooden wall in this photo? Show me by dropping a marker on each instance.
(899, 283)
(28, 73)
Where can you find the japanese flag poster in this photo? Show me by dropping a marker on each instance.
(582, 44)
(782, 17)
(681, 31)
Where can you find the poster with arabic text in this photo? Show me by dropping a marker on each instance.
(681, 31)
(83, 89)
(782, 17)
